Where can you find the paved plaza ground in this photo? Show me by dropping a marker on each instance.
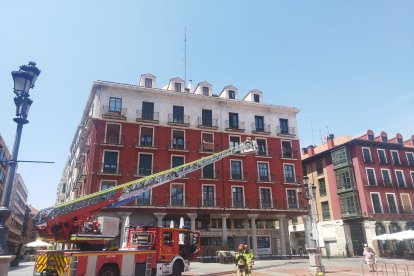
(289, 267)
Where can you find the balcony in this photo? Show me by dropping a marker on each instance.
(292, 204)
(289, 153)
(208, 147)
(232, 126)
(113, 113)
(112, 139)
(264, 129)
(263, 152)
(238, 176)
(272, 204)
(147, 142)
(178, 145)
(106, 168)
(237, 202)
(178, 120)
(151, 117)
(207, 123)
(286, 131)
(209, 202)
(266, 178)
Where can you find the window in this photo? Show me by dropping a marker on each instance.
(261, 145)
(207, 142)
(3, 159)
(406, 203)
(265, 198)
(395, 158)
(106, 184)
(110, 162)
(400, 178)
(177, 87)
(263, 171)
(236, 171)
(234, 141)
(145, 164)
(113, 132)
(382, 157)
(289, 171)
(292, 198)
(366, 152)
(348, 204)
(284, 126)
(233, 120)
(144, 199)
(371, 137)
(400, 140)
(207, 117)
(148, 83)
(177, 194)
(344, 179)
(148, 110)
(178, 114)
(392, 205)
(168, 239)
(412, 177)
(178, 139)
(238, 200)
(177, 161)
(205, 91)
(115, 105)
(259, 123)
(146, 139)
(287, 151)
(384, 138)
(376, 203)
(372, 181)
(208, 171)
(208, 196)
(232, 94)
(326, 215)
(319, 166)
(256, 98)
(410, 158)
(322, 187)
(386, 177)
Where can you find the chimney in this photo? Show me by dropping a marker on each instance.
(330, 140)
(190, 86)
(304, 151)
(311, 151)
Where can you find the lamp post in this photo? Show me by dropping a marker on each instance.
(315, 261)
(24, 80)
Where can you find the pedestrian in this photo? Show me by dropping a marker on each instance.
(369, 258)
(374, 256)
(249, 259)
(240, 261)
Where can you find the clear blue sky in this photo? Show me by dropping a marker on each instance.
(348, 65)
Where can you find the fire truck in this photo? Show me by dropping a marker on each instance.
(149, 250)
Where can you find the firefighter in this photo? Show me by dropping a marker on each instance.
(240, 261)
(248, 255)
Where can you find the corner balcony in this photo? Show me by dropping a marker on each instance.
(114, 113)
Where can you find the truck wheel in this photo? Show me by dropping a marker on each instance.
(108, 270)
(177, 269)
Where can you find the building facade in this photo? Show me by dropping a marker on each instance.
(131, 131)
(18, 219)
(364, 188)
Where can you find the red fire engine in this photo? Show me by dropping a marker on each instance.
(148, 251)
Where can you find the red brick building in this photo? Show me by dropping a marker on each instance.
(130, 131)
(365, 187)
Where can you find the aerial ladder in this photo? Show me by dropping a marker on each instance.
(62, 223)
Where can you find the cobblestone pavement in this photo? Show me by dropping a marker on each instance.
(290, 267)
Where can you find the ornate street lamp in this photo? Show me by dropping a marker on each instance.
(24, 80)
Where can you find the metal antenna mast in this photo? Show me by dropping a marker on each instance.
(185, 56)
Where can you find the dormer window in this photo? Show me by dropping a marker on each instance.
(232, 94)
(371, 137)
(256, 98)
(148, 83)
(177, 87)
(399, 140)
(205, 91)
(384, 138)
